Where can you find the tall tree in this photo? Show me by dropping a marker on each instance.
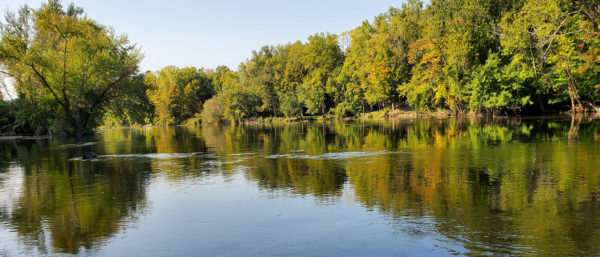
(237, 99)
(57, 52)
(291, 78)
(162, 86)
(322, 58)
(257, 74)
(194, 86)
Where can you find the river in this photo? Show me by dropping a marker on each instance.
(421, 187)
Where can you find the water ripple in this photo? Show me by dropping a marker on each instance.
(331, 156)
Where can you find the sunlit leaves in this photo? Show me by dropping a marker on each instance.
(57, 53)
(178, 93)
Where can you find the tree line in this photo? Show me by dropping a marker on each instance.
(510, 57)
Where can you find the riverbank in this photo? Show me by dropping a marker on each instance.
(401, 113)
(406, 114)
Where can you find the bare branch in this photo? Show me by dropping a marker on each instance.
(7, 73)
(554, 35)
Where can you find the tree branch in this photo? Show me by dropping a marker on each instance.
(101, 97)
(110, 86)
(554, 35)
(45, 83)
(7, 73)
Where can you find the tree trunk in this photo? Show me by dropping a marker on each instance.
(363, 108)
(541, 103)
(576, 105)
(78, 129)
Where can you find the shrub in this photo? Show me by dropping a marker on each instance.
(212, 111)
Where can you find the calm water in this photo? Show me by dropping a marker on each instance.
(424, 187)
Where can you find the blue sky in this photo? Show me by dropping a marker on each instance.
(219, 32)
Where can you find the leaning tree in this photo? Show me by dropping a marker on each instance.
(60, 54)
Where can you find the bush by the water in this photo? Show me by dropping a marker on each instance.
(213, 112)
(27, 118)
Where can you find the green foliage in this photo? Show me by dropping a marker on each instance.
(73, 74)
(290, 105)
(194, 86)
(213, 111)
(56, 53)
(131, 106)
(490, 87)
(237, 100)
(322, 59)
(159, 92)
(20, 116)
(178, 93)
(552, 44)
(257, 75)
(7, 118)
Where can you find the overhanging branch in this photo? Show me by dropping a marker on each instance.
(45, 83)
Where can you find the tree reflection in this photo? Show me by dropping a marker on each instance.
(74, 204)
(498, 186)
(504, 186)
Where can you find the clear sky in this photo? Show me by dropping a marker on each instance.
(219, 32)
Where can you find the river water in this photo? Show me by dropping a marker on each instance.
(422, 187)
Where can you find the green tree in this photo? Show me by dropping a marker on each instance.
(290, 77)
(55, 53)
(131, 106)
(543, 40)
(352, 76)
(322, 58)
(162, 86)
(237, 100)
(257, 74)
(212, 111)
(194, 86)
(377, 61)
(218, 78)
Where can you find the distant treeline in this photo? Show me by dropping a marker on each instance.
(508, 57)
(485, 56)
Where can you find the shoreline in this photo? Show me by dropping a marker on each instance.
(372, 117)
(376, 116)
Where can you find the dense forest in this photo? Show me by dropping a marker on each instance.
(497, 57)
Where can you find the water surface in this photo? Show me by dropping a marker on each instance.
(423, 187)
